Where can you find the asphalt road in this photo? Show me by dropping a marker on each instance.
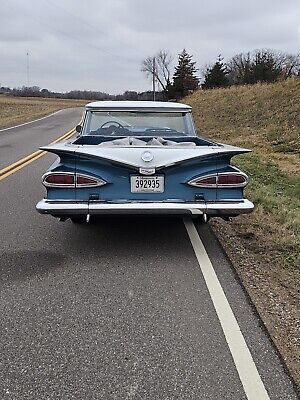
(117, 309)
(19, 142)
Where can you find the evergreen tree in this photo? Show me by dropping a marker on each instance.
(265, 66)
(184, 80)
(216, 76)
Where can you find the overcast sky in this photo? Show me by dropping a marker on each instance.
(99, 44)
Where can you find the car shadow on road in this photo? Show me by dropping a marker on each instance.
(125, 233)
(103, 242)
(19, 265)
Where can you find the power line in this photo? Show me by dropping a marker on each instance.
(27, 67)
(87, 24)
(86, 43)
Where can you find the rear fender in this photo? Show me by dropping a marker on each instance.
(224, 165)
(65, 162)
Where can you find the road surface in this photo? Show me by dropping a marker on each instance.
(126, 308)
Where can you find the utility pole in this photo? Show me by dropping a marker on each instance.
(27, 69)
(153, 78)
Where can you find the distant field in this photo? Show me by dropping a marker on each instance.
(17, 110)
(263, 246)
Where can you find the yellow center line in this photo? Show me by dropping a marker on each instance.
(16, 166)
(22, 165)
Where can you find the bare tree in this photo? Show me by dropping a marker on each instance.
(161, 68)
(239, 68)
(289, 64)
(262, 66)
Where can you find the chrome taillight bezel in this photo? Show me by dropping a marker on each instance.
(48, 184)
(98, 181)
(196, 182)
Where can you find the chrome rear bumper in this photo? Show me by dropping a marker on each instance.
(59, 208)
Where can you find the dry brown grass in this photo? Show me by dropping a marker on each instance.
(260, 115)
(264, 117)
(17, 110)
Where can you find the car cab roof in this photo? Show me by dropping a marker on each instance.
(163, 106)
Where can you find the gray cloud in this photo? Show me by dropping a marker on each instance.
(99, 45)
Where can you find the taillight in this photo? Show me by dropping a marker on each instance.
(232, 180)
(59, 179)
(223, 179)
(205, 181)
(70, 180)
(87, 181)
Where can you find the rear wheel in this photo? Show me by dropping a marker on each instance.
(81, 219)
(204, 218)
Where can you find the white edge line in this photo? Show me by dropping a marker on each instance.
(246, 368)
(30, 122)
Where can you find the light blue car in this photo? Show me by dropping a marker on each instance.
(142, 158)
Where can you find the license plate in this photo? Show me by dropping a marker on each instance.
(147, 184)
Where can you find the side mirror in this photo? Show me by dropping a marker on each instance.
(78, 128)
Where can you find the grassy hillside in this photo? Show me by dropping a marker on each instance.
(266, 119)
(17, 110)
(259, 115)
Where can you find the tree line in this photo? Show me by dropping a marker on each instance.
(35, 91)
(242, 69)
(176, 83)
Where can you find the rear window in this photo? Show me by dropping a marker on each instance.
(137, 123)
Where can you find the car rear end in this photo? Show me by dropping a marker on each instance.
(138, 158)
(86, 184)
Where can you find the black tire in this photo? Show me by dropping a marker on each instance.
(204, 218)
(80, 219)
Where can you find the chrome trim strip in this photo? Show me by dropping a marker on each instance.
(212, 208)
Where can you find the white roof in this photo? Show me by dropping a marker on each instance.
(137, 105)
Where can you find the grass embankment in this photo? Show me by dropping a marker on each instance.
(18, 110)
(264, 246)
(266, 119)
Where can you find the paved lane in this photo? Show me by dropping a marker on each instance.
(115, 310)
(19, 142)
